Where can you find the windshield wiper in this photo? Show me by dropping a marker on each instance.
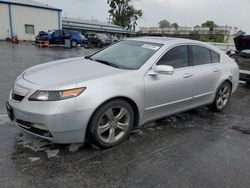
(88, 57)
(103, 62)
(107, 63)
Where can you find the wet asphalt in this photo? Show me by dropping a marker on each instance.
(198, 148)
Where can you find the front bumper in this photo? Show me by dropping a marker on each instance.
(65, 123)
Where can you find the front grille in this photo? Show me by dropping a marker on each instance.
(28, 127)
(17, 97)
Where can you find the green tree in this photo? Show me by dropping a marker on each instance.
(209, 24)
(124, 14)
(174, 25)
(164, 24)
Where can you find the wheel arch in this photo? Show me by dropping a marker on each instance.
(127, 99)
(226, 80)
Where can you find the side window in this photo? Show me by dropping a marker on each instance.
(29, 29)
(67, 34)
(200, 55)
(215, 57)
(176, 57)
(57, 34)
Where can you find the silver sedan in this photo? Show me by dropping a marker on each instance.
(103, 96)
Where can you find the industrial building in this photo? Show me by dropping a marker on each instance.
(25, 18)
(88, 26)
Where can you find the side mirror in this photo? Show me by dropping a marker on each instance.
(162, 69)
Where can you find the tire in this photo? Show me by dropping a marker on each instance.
(111, 123)
(73, 44)
(99, 44)
(248, 84)
(222, 97)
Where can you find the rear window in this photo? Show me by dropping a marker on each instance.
(91, 35)
(200, 55)
(102, 36)
(215, 57)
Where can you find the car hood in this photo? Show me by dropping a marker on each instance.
(242, 42)
(68, 71)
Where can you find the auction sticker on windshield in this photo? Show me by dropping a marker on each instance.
(151, 47)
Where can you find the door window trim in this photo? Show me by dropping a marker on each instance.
(210, 50)
(170, 48)
(212, 57)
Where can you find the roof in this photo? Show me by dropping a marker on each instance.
(29, 3)
(172, 40)
(93, 25)
(90, 22)
(160, 40)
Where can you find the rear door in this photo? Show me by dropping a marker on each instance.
(167, 94)
(207, 74)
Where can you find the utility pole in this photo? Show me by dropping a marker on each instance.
(109, 19)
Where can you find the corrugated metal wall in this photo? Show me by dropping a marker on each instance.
(42, 19)
(4, 22)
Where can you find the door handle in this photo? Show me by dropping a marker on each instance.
(187, 75)
(216, 69)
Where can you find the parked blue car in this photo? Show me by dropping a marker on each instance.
(59, 37)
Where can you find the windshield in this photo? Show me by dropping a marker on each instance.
(127, 54)
(102, 36)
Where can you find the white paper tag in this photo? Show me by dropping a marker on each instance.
(151, 47)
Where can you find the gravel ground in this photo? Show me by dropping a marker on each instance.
(197, 148)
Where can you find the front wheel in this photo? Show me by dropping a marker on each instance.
(222, 97)
(111, 123)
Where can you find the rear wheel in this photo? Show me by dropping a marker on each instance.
(222, 97)
(111, 123)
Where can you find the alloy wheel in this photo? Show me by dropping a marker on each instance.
(113, 124)
(223, 96)
(73, 43)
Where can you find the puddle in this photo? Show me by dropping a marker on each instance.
(75, 147)
(33, 159)
(37, 144)
(52, 153)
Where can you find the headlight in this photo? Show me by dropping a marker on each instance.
(56, 95)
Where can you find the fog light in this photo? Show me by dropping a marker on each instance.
(40, 126)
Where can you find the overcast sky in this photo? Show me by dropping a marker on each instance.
(184, 12)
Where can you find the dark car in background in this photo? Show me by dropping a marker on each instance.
(242, 56)
(60, 36)
(99, 39)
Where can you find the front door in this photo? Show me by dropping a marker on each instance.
(57, 37)
(167, 94)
